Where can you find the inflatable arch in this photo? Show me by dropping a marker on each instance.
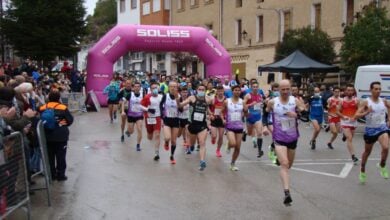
(123, 38)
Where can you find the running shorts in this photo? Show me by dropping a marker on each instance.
(153, 124)
(291, 145)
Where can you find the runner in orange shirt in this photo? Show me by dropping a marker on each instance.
(333, 118)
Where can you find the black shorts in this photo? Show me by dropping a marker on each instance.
(171, 122)
(183, 122)
(291, 145)
(373, 139)
(134, 119)
(112, 102)
(217, 123)
(196, 129)
(236, 131)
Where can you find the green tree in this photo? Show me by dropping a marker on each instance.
(313, 42)
(102, 20)
(44, 29)
(367, 41)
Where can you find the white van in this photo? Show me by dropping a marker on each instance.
(365, 75)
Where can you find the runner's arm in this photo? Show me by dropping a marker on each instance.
(300, 105)
(185, 102)
(363, 110)
(270, 105)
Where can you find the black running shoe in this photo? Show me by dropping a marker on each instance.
(344, 138)
(313, 145)
(122, 138)
(156, 158)
(287, 199)
(355, 160)
(277, 162)
(327, 128)
(260, 154)
(330, 146)
(244, 136)
(192, 148)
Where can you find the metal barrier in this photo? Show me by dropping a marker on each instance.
(75, 101)
(14, 190)
(45, 162)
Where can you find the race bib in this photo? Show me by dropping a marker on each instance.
(236, 116)
(288, 123)
(217, 111)
(257, 107)
(151, 121)
(172, 113)
(135, 108)
(198, 116)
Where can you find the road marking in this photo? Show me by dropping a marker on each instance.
(346, 169)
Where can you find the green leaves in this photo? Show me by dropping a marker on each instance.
(313, 42)
(367, 41)
(44, 29)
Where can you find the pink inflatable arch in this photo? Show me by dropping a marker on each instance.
(123, 38)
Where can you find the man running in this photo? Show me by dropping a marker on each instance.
(123, 96)
(333, 118)
(153, 117)
(217, 126)
(135, 113)
(375, 110)
(254, 103)
(169, 109)
(316, 115)
(183, 115)
(267, 119)
(285, 132)
(235, 109)
(347, 110)
(198, 125)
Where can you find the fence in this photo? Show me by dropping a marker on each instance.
(14, 191)
(75, 101)
(44, 161)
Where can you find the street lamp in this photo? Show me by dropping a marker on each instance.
(244, 35)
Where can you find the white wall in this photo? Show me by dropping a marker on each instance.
(129, 16)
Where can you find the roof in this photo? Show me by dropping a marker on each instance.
(298, 62)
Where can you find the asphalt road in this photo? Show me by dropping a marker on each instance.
(111, 180)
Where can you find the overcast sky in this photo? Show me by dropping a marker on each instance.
(90, 6)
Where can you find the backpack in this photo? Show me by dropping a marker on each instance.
(49, 119)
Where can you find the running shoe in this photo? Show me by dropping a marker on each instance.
(383, 171)
(213, 140)
(202, 165)
(276, 162)
(313, 144)
(362, 177)
(227, 148)
(188, 151)
(260, 154)
(122, 138)
(218, 153)
(234, 168)
(270, 153)
(355, 160)
(344, 138)
(166, 146)
(244, 136)
(327, 128)
(192, 148)
(287, 199)
(138, 147)
(127, 133)
(330, 146)
(254, 141)
(173, 161)
(198, 148)
(156, 158)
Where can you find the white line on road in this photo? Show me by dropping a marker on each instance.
(346, 169)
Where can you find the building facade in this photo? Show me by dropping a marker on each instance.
(250, 30)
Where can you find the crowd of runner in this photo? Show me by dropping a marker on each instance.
(192, 108)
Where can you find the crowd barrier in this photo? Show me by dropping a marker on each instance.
(14, 188)
(75, 101)
(45, 171)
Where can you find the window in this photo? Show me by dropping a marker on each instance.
(350, 11)
(317, 16)
(239, 31)
(208, 1)
(194, 3)
(167, 4)
(122, 6)
(238, 3)
(156, 5)
(134, 4)
(180, 4)
(260, 28)
(146, 8)
(287, 21)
